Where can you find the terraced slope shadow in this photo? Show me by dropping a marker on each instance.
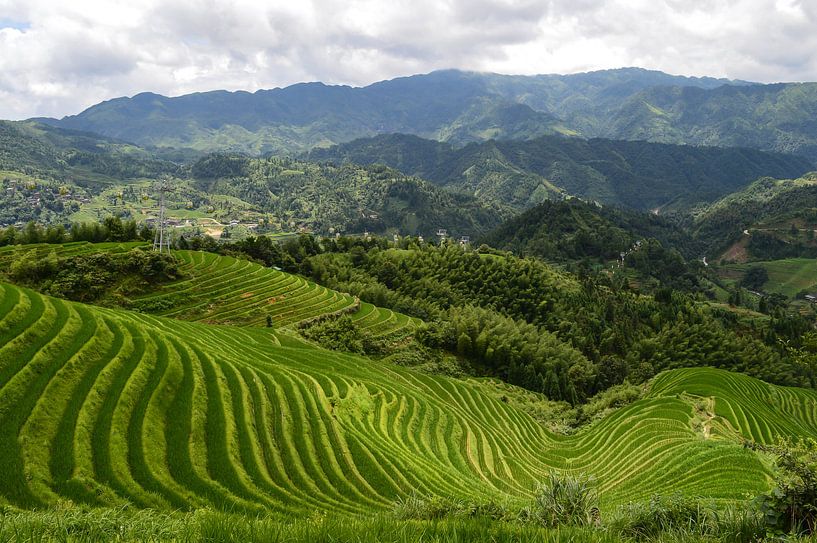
(107, 407)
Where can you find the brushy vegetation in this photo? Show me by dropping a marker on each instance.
(207, 526)
(566, 500)
(118, 273)
(563, 510)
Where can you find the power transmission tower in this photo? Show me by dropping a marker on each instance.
(161, 239)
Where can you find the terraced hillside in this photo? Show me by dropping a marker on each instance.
(105, 407)
(226, 290)
(384, 323)
(66, 249)
(741, 406)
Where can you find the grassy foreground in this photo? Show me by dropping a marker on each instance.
(207, 526)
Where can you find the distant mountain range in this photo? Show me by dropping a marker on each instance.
(520, 174)
(461, 107)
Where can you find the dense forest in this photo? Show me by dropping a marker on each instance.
(572, 230)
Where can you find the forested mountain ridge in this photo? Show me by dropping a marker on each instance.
(42, 150)
(520, 174)
(461, 107)
(780, 117)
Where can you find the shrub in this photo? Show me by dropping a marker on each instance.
(341, 334)
(418, 507)
(791, 506)
(676, 517)
(566, 499)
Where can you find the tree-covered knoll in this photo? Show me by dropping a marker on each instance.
(520, 174)
(346, 198)
(572, 230)
(565, 336)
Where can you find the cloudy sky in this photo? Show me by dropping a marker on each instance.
(59, 57)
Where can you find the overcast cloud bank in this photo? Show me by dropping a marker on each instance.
(57, 58)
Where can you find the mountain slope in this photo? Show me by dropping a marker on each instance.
(771, 218)
(780, 117)
(572, 230)
(38, 149)
(106, 406)
(523, 173)
(451, 105)
(296, 118)
(461, 107)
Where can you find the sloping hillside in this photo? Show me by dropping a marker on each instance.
(226, 290)
(72, 156)
(640, 175)
(780, 117)
(107, 407)
(771, 218)
(347, 198)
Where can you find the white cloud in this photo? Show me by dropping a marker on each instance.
(57, 58)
